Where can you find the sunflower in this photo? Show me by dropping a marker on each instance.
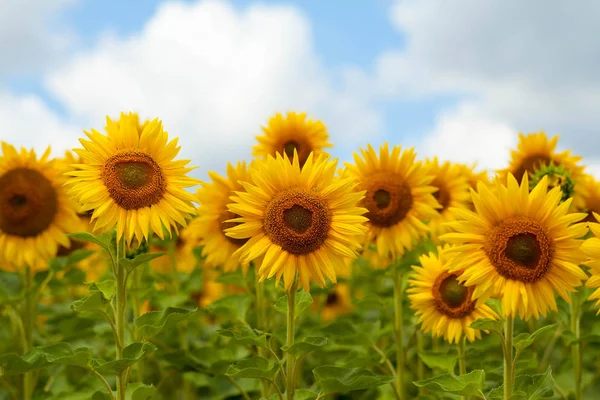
(519, 246)
(398, 197)
(591, 248)
(588, 190)
(130, 180)
(35, 211)
(182, 258)
(292, 133)
(452, 192)
(535, 150)
(303, 220)
(208, 227)
(444, 306)
(337, 303)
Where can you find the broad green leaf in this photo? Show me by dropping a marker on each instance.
(10, 285)
(487, 324)
(131, 354)
(304, 394)
(254, 367)
(304, 346)
(102, 395)
(343, 332)
(233, 306)
(342, 380)
(106, 240)
(446, 362)
(303, 300)
(528, 387)
(130, 265)
(140, 391)
(41, 357)
(92, 302)
(153, 322)
(524, 340)
(463, 385)
(108, 288)
(245, 335)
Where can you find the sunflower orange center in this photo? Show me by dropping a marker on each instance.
(28, 202)
(520, 249)
(134, 180)
(225, 216)
(530, 164)
(388, 199)
(298, 221)
(451, 297)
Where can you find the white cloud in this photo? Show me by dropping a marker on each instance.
(214, 74)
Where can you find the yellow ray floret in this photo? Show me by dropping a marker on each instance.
(591, 248)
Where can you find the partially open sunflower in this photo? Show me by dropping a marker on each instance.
(303, 220)
(292, 133)
(398, 197)
(521, 247)
(533, 151)
(445, 307)
(35, 211)
(208, 227)
(130, 180)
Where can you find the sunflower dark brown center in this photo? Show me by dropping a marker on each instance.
(332, 299)
(289, 148)
(388, 199)
(228, 215)
(451, 297)
(28, 202)
(442, 196)
(298, 221)
(302, 147)
(520, 249)
(134, 180)
(530, 164)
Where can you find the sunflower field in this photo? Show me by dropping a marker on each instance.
(296, 276)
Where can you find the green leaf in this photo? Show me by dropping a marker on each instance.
(303, 300)
(41, 357)
(108, 288)
(463, 385)
(233, 306)
(487, 324)
(245, 335)
(92, 302)
(106, 240)
(446, 362)
(528, 387)
(60, 263)
(130, 265)
(153, 322)
(372, 302)
(131, 354)
(233, 278)
(304, 346)
(139, 391)
(304, 394)
(254, 367)
(342, 380)
(524, 340)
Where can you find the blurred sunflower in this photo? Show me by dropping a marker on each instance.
(589, 190)
(303, 220)
(292, 133)
(535, 150)
(130, 180)
(182, 258)
(473, 177)
(519, 246)
(452, 192)
(591, 248)
(337, 303)
(398, 197)
(208, 227)
(35, 211)
(444, 306)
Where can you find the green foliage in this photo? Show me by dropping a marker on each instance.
(131, 264)
(445, 362)
(463, 385)
(233, 307)
(528, 387)
(131, 354)
(153, 322)
(254, 367)
(524, 340)
(302, 300)
(245, 335)
(342, 380)
(304, 346)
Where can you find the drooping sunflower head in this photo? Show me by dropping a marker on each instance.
(535, 150)
(445, 306)
(214, 218)
(131, 181)
(35, 211)
(452, 192)
(519, 246)
(398, 197)
(292, 133)
(303, 220)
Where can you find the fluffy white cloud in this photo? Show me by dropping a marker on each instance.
(214, 75)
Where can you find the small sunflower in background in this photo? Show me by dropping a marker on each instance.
(589, 190)
(337, 303)
(292, 133)
(399, 197)
(452, 192)
(35, 211)
(303, 220)
(445, 307)
(519, 246)
(535, 150)
(130, 180)
(182, 258)
(208, 228)
(591, 248)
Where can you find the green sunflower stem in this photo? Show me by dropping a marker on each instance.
(508, 357)
(576, 347)
(420, 365)
(290, 361)
(399, 332)
(260, 322)
(121, 306)
(462, 361)
(28, 324)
